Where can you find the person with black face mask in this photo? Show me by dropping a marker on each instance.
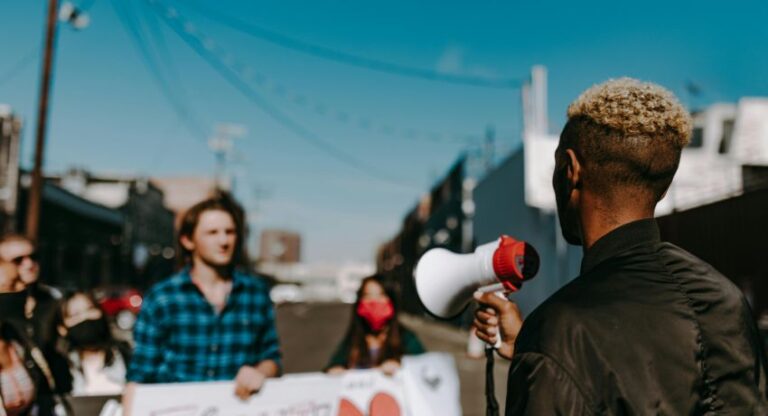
(98, 361)
(12, 305)
(43, 306)
(26, 382)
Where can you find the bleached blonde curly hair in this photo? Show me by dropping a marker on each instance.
(628, 133)
(636, 109)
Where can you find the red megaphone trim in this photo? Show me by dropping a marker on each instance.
(514, 262)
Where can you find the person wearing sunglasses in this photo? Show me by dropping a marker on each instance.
(43, 305)
(27, 386)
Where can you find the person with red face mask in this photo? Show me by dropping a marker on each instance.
(375, 338)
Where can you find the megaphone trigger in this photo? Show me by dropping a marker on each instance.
(495, 288)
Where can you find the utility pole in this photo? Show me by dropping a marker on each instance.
(78, 20)
(489, 151)
(221, 145)
(35, 190)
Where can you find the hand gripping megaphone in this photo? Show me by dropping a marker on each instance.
(445, 281)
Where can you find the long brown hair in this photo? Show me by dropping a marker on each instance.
(359, 353)
(110, 341)
(222, 201)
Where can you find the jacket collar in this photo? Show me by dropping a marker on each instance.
(619, 240)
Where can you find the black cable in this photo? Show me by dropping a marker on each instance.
(348, 58)
(19, 66)
(183, 113)
(228, 74)
(492, 406)
(349, 119)
(162, 48)
(173, 78)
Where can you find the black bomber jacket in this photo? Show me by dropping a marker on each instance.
(646, 329)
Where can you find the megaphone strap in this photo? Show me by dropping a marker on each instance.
(492, 406)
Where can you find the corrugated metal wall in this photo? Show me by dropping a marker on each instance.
(731, 235)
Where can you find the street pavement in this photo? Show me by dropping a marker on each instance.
(309, 333)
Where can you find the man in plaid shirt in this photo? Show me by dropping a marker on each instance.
(210, 321)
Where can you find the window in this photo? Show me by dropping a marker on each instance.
(697, 138)
(725, 141)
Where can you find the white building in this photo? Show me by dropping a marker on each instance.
(317, 282)
(726, 137)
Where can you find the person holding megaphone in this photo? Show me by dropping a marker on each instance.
(647, 328)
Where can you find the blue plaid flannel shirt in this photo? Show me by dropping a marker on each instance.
(180, 338)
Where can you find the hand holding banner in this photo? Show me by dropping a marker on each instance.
(426, 385)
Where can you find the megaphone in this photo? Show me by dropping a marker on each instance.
(446, 281)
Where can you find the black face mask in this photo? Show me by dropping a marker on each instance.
(12, 306)
(91, 333)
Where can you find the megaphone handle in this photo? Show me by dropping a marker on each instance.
(496, 345)
(500, 293)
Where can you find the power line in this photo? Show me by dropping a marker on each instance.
(129, 22)
(173, 75)
(156, 33)
(322, 109)
(173, 91)
(19, 66)
(204, 51)
(348, 58)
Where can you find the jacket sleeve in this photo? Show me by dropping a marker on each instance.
(538, 385)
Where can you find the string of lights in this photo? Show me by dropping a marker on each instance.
(231, 71)
(348, 58)
(317, 107)
(131, 24)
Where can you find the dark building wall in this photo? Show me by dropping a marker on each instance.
(731, 236)
(79, 242)
(500, 209)
(754, 177)
(85, 244)
(149, 228)
(445, 212)
(439, 213)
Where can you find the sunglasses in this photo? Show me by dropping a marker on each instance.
(20, 259)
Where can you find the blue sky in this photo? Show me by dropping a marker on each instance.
(109, 115)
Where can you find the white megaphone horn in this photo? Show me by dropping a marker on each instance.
(445, 281)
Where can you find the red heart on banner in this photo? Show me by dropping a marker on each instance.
(382, 404)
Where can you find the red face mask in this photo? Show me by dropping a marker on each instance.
(376, 312)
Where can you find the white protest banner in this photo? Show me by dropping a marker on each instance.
(292, 395)
(370, 392)
(431, 385)
(427, 384)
